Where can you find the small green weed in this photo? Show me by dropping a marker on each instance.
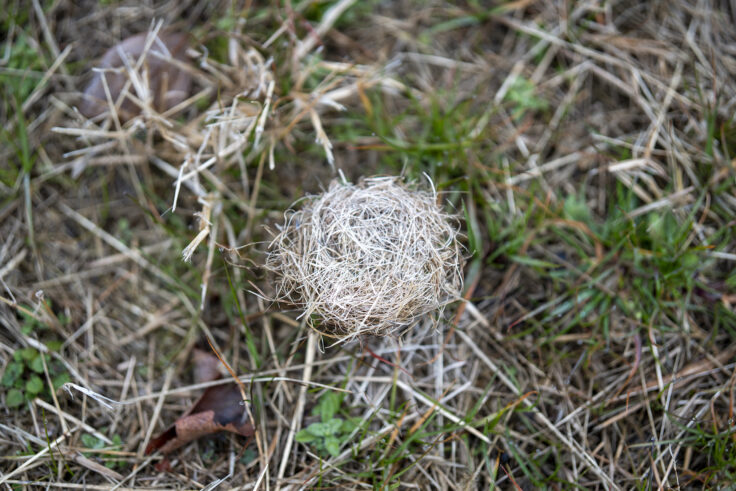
(23, 61)
(327, 435)
(522, 94)
(23, 376)
(93, 443)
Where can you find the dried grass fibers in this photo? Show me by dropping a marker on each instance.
(370, 258)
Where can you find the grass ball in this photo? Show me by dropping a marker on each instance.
(367, 258)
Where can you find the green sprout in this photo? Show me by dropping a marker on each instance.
(23, 376)
(523, 96)
(23, 380)
(328, 435)
(91, 442)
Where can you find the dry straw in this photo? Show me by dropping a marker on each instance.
(370, 258)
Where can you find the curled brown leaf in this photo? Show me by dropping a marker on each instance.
(220, 408)
(206, 366)
(164, 81)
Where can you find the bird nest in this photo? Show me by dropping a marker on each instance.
(371, 258)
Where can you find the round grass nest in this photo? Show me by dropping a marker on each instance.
(371, 258)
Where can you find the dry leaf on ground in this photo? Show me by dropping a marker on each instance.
(158, 79)
(219, 409)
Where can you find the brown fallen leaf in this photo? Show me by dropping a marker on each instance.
(166, 83)
(219, 409)
(206, 366)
